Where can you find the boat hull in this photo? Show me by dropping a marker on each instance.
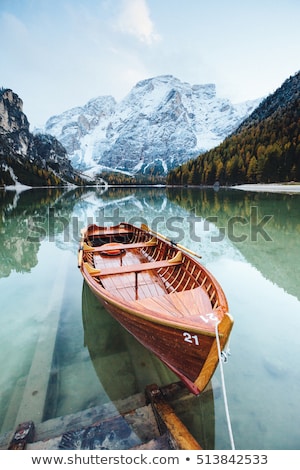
(191, 355)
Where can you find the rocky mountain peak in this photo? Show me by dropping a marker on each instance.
(26, 159)
(12, 117)
(161, 123)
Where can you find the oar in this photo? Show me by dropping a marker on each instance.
(147, 229)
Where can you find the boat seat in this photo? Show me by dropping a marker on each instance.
(111, 232)
(119, 246)
(134, 268)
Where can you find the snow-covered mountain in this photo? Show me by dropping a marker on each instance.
(160, 124)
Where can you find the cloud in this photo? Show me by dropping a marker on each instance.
(134, 19)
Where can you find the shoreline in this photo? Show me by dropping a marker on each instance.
(289, 188)
(269, 187)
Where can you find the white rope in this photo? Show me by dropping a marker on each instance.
(224, 389)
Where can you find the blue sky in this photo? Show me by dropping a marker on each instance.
(58, 54)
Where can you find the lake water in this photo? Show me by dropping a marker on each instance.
(62, 353)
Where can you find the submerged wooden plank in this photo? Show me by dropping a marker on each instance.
(35, 391)
(124, 424)
(167, 419)
(113, 434)
(58, 426)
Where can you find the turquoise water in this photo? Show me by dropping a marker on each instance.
(62, 353)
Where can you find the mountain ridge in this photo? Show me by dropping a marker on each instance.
(161, 123)
(265, 148)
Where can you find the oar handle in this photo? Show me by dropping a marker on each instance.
(79, 257)
(147, 229)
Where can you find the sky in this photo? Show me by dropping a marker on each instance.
(59, 54)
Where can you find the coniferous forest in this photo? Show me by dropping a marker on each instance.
(265, 149)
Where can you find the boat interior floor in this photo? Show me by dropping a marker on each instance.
(124, 285)
(184, 304)
(150, 291)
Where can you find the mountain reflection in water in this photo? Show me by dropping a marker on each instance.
(269, 241)
(40, 283)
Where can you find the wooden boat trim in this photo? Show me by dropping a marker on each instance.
(205, 373)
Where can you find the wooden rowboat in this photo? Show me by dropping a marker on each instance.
(165, 298)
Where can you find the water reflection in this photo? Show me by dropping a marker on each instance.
(117, 357)
(266, 228)
(25, 223)
(260, 278)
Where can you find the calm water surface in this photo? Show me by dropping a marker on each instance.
(62, 353)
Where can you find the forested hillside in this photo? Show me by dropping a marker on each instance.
(264, 149)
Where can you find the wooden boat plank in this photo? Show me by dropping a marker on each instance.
(131, 257)
(193, 306)
(119, 246)
(137, 268)
(123, 285)
(149, 283)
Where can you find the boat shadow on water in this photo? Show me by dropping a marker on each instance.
(124, 368)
